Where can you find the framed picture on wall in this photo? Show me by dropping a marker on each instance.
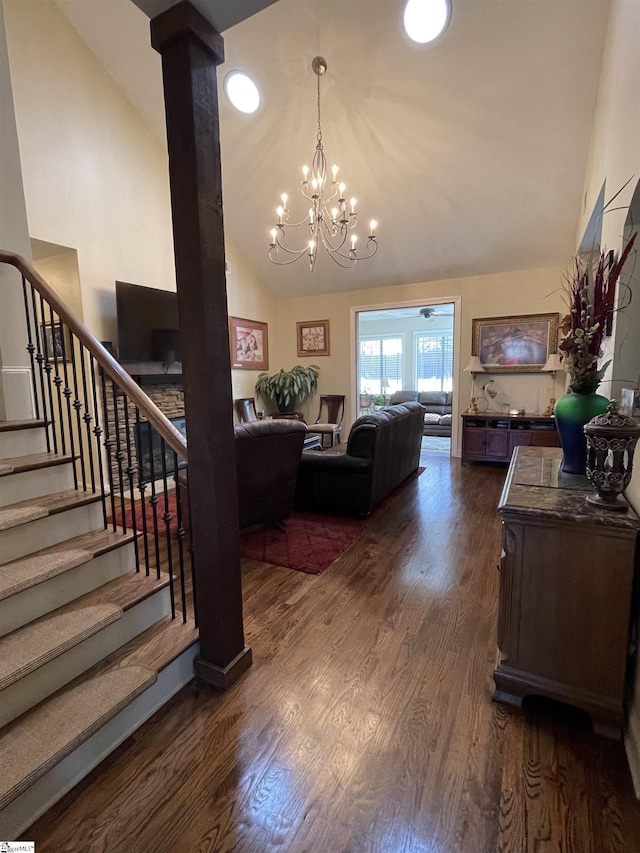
(249, 344)
(518, 344)
(313, 337)
(56, 342)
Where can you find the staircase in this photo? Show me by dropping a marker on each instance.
(96, 619)
(88, 648)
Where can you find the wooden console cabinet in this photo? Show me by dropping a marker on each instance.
(566, 575)
(491, 437)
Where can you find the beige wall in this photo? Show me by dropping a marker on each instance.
(95, 177)
(61, 272)
(250, 299)
(522, 292)
(15, 384)
(615, 157)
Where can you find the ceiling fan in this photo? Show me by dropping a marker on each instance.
(430, 311)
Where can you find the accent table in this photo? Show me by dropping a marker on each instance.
(492, 437)
(566, 575)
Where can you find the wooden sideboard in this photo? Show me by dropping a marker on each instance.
(491, 437)
(566, 575)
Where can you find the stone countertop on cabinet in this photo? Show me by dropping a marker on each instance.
(535, 486)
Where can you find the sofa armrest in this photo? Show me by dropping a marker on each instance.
(331, 462)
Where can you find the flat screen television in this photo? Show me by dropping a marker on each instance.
(148, 327)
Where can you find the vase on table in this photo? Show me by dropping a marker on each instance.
(572, 412)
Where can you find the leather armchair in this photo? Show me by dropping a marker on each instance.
(268, 456)
(382, 450)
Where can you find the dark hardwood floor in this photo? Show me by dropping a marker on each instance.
(366, 723)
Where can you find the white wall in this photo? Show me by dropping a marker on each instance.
(15, 399)
(615, 157)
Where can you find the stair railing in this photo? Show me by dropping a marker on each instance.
(122, 446)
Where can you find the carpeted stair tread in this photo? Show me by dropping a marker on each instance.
(15, 515)
(46, 505)
(33, 461)
(36, 742)
(29, 648)
(154, 648)
(29, 571)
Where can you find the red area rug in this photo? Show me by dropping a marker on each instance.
(309, 542)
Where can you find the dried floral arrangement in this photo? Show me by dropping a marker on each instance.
(591, 290)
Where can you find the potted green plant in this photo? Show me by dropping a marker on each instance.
(288, 386)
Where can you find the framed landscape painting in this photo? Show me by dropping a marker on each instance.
(515, 344)
(313, 337)
(249, 344)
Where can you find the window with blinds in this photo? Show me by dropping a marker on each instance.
(381, 362)
(434, 361)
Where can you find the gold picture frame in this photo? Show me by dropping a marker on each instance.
(313, 338)
(249, 343)
(519, 344)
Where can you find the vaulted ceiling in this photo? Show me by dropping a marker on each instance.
(470, 152)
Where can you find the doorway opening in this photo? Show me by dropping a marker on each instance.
(407, 352)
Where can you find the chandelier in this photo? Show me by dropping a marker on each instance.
(328, 223)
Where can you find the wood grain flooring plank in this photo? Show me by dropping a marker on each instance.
(366, 723)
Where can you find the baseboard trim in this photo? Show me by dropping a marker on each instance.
(223, 677)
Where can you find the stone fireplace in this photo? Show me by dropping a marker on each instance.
(168, 397)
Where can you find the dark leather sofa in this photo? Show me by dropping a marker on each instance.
(437, 408)
(268, 456)
(382, 450)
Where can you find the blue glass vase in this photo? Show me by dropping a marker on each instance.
(572, 412)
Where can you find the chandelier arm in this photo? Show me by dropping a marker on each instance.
(335, 255)
(283, 224)
(277, 246)
(336, 251)
(273, 260)
(325, 236)
(364, 257)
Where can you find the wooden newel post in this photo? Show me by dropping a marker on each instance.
(191, 49)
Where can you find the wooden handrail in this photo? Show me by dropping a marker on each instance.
(107, 362)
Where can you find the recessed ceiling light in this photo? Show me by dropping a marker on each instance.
(242, 91)
(425, 20)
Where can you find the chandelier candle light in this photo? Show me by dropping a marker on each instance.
(328, 220)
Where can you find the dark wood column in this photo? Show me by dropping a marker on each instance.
(191, 49)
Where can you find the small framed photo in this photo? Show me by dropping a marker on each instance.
(313, 337)
(518, 344)
(249, 344)
(56, 342)
(630, 402)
